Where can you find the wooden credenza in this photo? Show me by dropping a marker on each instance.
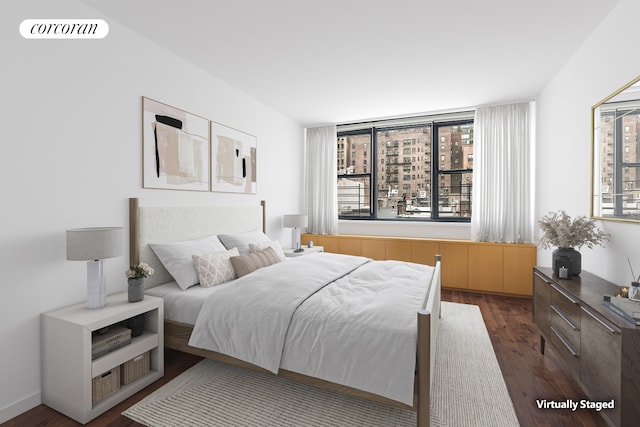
(598, 347)
(500, 268)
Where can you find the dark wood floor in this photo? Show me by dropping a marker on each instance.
(528, 374)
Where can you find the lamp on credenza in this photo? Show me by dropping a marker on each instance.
(296, 222)
(95, 245)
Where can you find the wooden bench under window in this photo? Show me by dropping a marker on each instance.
(498, 268)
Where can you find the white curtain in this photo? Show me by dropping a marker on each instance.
(502, 205)
(322, 171)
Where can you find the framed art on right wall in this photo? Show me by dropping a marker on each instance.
(233, 160)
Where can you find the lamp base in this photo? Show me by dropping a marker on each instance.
(297, 251)
(96, 284)
(295, 238)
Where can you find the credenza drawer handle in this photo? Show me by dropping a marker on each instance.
(554, 308)
(565, 342)
(597, 319)
(544, 279)
(554, 286)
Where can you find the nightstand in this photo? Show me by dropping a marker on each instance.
(70, 378)
(289, 253)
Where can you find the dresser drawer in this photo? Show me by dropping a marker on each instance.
(601, 369)
(564, 326)
(564, 348)
(565, 306)
(542, 302)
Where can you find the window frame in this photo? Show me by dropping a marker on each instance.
(373, 158)
(436, 172)
(372, 130)
(621, 162)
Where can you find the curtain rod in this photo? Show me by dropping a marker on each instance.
(498, 104)
(409, 116)
(418, 116)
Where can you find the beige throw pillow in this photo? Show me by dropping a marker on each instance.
(216, 268)
(248, 263)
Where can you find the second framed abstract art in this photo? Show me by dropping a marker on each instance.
(233, 160)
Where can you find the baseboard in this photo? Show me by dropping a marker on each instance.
(19, 407)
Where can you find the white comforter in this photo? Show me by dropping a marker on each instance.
(345, 319)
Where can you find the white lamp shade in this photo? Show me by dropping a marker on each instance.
(94, 245)
(86, 244)
(295, 221)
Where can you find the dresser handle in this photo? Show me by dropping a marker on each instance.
(574, 327)
(544, 279)
(602, 322)
(554, 286)
(565, 342)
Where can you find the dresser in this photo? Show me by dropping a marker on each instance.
(598, 347)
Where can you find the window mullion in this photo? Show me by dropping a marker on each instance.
(435, 175)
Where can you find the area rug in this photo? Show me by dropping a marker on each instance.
(468, 391)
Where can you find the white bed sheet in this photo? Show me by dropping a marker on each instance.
(383, 296)
(181, 306)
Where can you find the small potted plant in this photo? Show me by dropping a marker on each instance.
(135, 277)
(567, 236)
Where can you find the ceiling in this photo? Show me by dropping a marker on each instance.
(337, 61)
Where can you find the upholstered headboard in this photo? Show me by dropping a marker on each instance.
(177, 223)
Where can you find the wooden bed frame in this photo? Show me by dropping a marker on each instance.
(177, 334)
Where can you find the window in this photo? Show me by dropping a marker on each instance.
(354, 182)
(424, 171)
(456, 170)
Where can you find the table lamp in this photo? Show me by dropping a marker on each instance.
(95, 245)
(295, 222)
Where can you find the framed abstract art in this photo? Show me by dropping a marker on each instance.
(175, 148)
(233, 160)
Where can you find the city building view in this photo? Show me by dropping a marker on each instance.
(397, 170)
(619, 156)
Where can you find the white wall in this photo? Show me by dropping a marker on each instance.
(604, 63)
(72, 157)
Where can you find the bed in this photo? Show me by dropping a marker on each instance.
(189, 322)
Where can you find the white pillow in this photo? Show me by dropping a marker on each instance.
(216, 268)
(275, 244)
(177, 257)
(242, 240)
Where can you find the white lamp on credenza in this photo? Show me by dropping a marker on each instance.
(296, 222)
(95, 245)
